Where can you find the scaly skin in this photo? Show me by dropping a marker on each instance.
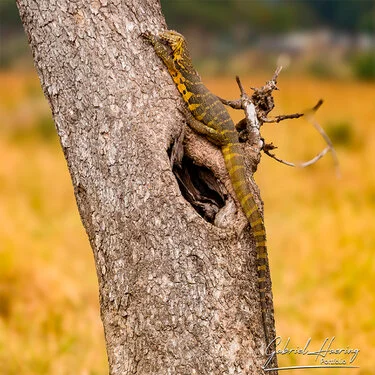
(211, 119)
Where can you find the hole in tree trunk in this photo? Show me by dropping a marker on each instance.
(200, 188)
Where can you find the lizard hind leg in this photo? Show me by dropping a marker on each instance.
(213, 135)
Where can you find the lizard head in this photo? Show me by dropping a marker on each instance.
(177, 43)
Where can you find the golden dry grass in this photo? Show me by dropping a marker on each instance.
(49, 313)
(321, 231)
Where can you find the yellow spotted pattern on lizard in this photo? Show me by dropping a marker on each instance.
(212, 120)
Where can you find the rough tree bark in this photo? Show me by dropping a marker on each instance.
(178, 295)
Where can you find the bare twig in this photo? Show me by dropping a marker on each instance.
(268, 87)
(252, 122)
(325, 137)
(299, 165)
(309, 114)
(256, 109)
(317, 105)
(276, 74)
(242, 91)
(235, 104)
(279, 118)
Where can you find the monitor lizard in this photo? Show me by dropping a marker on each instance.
(208, 117)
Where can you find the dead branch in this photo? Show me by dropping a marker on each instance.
(252, 122)
(325, 137)
(235, 104)
(258, 106)
(279, 118)
(299, 165)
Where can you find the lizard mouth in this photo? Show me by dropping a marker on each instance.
(174, 40)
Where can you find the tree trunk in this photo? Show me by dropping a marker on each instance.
(178, 295)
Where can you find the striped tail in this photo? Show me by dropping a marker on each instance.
(234, 162)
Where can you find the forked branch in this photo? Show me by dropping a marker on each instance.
(258, 106)
(298, 165)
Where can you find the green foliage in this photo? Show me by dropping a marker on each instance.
(321, 69)
(349, 15)
(45, 128)
(364, 66)
(42, 130)
(228, 15)
(257, 15)
(12, 49)
(9, 14)
(270, 15)
(341, 133)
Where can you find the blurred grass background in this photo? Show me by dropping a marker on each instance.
(321, 230)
